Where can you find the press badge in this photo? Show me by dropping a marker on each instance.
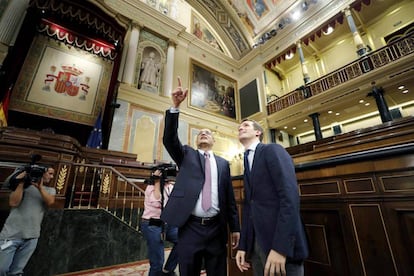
(6, 245)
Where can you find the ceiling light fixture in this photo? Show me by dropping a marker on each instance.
(401, 87)
(361, 101)
(296, 15)
(329, 30)
(367, 104)
(405, 91)
(304, 6)
(289, 55)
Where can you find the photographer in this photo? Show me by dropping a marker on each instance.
(155, 231)
(28, 201)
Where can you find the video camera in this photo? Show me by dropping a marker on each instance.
(33, 173)
(167, 170)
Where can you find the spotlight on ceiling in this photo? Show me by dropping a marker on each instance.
(289, 55)
(305, 6)
(329, 30)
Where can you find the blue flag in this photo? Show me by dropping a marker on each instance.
(95, 138)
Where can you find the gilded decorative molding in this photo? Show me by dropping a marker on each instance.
(81, 15)
(172, 43)
(62, 34)
(82, 168)
(61, 178)
(105, 184)
(136, 25)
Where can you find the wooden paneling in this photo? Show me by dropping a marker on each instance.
(319, 188)
(327, 248)
(356, 186)
(372, 239)
(360, 184)
(398, 182)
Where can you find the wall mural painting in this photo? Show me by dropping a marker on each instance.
(61, 82)
(202, 32)
(212, 92)
(257, 15)
(259, 7)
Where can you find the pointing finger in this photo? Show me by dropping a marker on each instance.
(179, 81)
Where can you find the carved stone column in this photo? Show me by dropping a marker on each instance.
(131, 56)
(361, 48)
(169, 69)
(10, 24)
(305, 73)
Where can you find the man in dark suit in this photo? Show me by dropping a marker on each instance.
(272, 231)
(202, 203)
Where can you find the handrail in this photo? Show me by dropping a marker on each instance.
(103, 187)
(94, 186)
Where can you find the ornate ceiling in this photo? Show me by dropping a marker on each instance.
(270, 26)
(251, 23)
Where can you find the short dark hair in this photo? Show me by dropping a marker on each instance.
(256, 126)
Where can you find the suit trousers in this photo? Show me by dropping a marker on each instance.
(200, 245)
(259, 261)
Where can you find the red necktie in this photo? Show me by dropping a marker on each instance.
(206, 193)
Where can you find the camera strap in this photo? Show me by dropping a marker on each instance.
(162, 182)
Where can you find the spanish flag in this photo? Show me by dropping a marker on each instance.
(4, 107)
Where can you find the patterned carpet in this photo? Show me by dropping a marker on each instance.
(139, 268)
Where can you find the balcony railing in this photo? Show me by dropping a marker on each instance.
(358, 68)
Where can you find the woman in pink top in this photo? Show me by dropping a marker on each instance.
(155, 231)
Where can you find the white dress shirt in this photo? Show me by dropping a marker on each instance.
(214, 209)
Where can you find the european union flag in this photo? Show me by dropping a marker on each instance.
(95, 138)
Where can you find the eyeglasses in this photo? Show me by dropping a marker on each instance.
(206, 132)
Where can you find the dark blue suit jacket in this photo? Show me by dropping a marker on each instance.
(271, 207)
(190, 180)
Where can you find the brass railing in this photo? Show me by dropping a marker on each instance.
(93, 186)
